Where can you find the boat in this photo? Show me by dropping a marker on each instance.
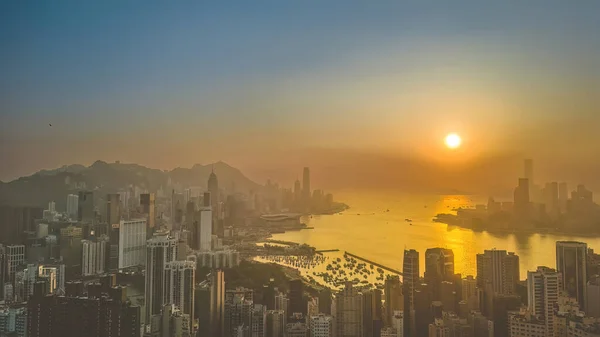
(408, 220)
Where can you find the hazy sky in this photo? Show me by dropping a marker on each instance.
(273, 85)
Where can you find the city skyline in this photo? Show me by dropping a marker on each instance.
(356, 84)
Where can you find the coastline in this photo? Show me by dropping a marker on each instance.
(455, 221)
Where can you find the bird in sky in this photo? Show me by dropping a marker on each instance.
(49, 124)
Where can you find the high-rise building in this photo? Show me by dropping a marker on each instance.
(16, 220)
(72, 205)
(205, 229)
(105, 314)
(297, 302)
(213, 188)
(85, 207)
(170, 322)
(325, 300)
(439, 267)
(296, 329)
(371, 312)
(563, 196)
(211, 309)
(593, 297)
(148, 203)
(180, 284)
(522, 204)
(469, 292)
(397, 323)
(238, 310)
(282, 303)
(500, 269)
(275, 323)
(93, 256)
(259, 321)
(571, 263)
(394, 301)
(542, 294)
(113, 209)
(348, 303)
(161, 249)
(15, 257)
(306, 191)
(321, 326)
(132, 244)
(410, 268)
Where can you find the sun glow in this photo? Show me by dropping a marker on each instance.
(453, 141)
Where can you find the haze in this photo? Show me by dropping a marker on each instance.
(362, 93)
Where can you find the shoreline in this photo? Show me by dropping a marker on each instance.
(457, 222)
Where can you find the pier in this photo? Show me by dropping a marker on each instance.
(391, 270)
(327, 251)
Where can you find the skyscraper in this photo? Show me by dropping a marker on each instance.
(499, 269)
(85, 207)
(348, 312)
(522, 203)
(306, 192)
(148, 201)
(371, 312)
(571, 262)
(93, 256)
(113, 209)
(394, 300)
(132, 243)
(238, 310)
(563, 196)
(297, 302)
(410, 268)
(161, 249)
(204, 223)
(542, 294)
(179, 285)
(439, 267)
(217, 302)
(275, 323)
(72, 205)
(259, 321)
(213, 188)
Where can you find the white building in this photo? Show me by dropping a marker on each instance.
(72, 205)
(180, 284)
(15, 256)
(132, 243)
(398, 323)
(297, 329)
(542, 294)
(161, 249)
(93, 256)
(321, 326)
(52, 206)
(205, 232)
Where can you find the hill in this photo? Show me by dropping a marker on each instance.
(101, 177)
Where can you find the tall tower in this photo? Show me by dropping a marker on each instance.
(500, 269)
(161, 249)
(410, 268)
(297, 303)
(72, 205)
(571, 262)
(213, 188)
(306, 189)
(148, 201)
(348, 312)
(85, 206)
(394, 300)
(205, 224)
(542, 294)
(113, 209)
(439, 267)
(180, 285)
(217, 303)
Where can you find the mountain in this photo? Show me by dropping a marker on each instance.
(102, 178)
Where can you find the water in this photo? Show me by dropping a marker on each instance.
(382, 236)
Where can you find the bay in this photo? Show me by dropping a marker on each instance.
(376, 227)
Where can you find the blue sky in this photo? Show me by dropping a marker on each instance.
(234, 79)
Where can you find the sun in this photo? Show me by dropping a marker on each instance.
(453, 141)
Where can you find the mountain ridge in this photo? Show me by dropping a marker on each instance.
(101, 177)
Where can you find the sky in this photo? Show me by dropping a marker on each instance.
(271, 86)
